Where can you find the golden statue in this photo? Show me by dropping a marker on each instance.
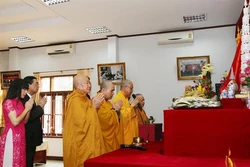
(228, 160)
(238, 36)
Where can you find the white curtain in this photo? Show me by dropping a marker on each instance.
(84, 72)
(37, 95)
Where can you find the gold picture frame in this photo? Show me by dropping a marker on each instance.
(115, 72)
(189, 68)
(7, 77)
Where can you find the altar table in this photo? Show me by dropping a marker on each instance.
(151, 132)
(207, 132)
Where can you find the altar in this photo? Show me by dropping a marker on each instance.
(151, 132)
(207, 132)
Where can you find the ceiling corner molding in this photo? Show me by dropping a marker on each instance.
(180, 30)
(114, 35)
(14, 47)
(4, 50)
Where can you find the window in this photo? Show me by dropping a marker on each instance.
(56, 88)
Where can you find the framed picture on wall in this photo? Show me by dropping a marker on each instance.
(115, 72)
(189, 68)
(7, 77)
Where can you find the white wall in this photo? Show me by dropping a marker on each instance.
(87, 55)
(153, 67)
(4, 61)
(54, 147)
(150, 66)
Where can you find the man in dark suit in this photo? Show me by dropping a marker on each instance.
(34, 132)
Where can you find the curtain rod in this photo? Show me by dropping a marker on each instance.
(64, 70)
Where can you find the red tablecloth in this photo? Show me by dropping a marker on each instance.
(153, 157)
(207, 132)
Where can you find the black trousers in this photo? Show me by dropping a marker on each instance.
(30, 154)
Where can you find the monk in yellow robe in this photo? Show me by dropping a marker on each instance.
(109, 115)
(127, 114)
(82, 138)
(140, 113)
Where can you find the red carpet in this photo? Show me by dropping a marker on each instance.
(153, 157)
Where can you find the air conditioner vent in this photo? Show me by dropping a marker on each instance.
(61, 49)
(174, 38)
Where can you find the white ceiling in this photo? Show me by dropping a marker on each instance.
(67, 22)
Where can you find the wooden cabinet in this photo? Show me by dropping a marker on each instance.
(40, 157)
(41, 153)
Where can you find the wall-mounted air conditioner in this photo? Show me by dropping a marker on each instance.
(176, 37)
(61, 49)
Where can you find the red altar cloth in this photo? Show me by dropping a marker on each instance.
(153, 157)
(207, 132)
(151, 132)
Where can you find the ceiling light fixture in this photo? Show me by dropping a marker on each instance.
(195, 18)
(98, 30)
(21, 39)
(54, 2)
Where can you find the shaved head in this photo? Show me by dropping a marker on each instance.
(105, 84)
(79, 78)
(107, 88)
(81, 82)
(142, 102)
(127, 88)
(125, 83)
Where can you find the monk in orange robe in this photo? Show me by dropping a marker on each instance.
(82, 138)
(127, 113)
(140, 113)
(109, 115)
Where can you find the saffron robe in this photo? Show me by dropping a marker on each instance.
(110, 126)
(141, 116)
(128, 118)
(82, 138)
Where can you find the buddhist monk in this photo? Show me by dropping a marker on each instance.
(82, 138)
(140, 112)
(127, 113)
(109, 115)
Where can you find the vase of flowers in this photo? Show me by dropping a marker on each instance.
(204, 84)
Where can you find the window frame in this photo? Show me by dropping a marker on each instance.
(53, 95)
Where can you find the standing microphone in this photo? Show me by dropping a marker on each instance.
(139, 105)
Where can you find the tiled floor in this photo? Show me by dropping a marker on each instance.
(50, 163)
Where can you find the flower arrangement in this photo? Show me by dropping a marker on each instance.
(204, 84)
(245, 77)
(189, 90)
(224, 76)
